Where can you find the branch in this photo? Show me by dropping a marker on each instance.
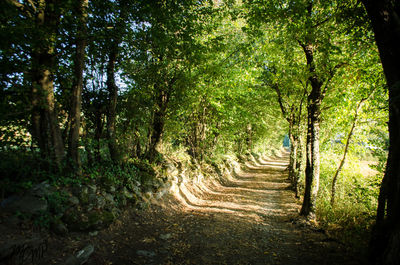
(326, 19)
(301, 44)
(321, 22)
(16, 4)
(238, 48)
(326, 108)
(16, 114)
(369, 95)
(20, 7)
(332, 73)
(278, 92)
(301, 106)
(32, 5)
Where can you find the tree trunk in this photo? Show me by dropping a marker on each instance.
(116, 38)
(293, 153)
(76, 101)
(98, 132)
(88, 146)
(313, 157)
(312, 162)
(339, 169)
(45, 127)
(299, 162)
(293, 117)
(112, 107)
(157, 127)
(346, 148)
(385, 241)
(249, 137)
(39, 128)
(293, 160)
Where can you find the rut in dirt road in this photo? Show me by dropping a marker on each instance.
(260, 190)
(246, 218)
(251, 218)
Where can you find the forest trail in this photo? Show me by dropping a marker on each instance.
(248, 219)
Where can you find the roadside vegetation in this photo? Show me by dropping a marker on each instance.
(107, 95)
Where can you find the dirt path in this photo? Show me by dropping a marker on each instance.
(247, 219)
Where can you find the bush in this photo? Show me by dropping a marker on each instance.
(353, 214)
(20, 169)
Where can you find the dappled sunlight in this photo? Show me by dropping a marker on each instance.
(258, 191)
(278, 163)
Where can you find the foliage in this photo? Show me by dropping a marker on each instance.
(57, 202)
(195, 81)
(353, 215)
(20, 169)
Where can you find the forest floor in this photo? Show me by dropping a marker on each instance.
(251, 218)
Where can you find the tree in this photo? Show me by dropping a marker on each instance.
(281, 74)
(168, 49)
(346, 148)
(76, 100)
(44, 16)
(385, 242)
(111, 24)
(319, 86)
(310, 24)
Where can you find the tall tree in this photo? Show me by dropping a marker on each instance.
(81, 8)
(311, 24)
(167, 51)
(385, 242)
(113, 99)
(112, 20)
(319, 82)
(291, 97)
(44, 15)
(345, 150)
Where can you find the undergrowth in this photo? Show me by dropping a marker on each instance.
(352, 216)
(21, 169)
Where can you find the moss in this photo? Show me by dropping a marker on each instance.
(73, 219)
(94, 218)
(106, 182)
(107, 218)
(84, 198)
(98, 220)
(146, 177)
(144, 166)
(92, 221)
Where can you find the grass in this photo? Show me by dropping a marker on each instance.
(351, 219)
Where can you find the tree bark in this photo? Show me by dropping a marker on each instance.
(312, 147)
(112, 107)
(157, 127)
(346, 148)
(290, 117)
(98, 132)
(312, 162)
(294, 140)
(385, 241)
(45, 127)
(299, 162)
(76, 101)
(293, 117)
(114, 50)
(291, 158)
(249, 137)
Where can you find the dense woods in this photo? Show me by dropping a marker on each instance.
(93, 89)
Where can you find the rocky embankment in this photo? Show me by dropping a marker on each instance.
(88, 207)
(46, 210)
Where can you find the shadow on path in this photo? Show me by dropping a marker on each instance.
(245, 218)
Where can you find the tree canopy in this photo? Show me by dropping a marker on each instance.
(87, 84)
